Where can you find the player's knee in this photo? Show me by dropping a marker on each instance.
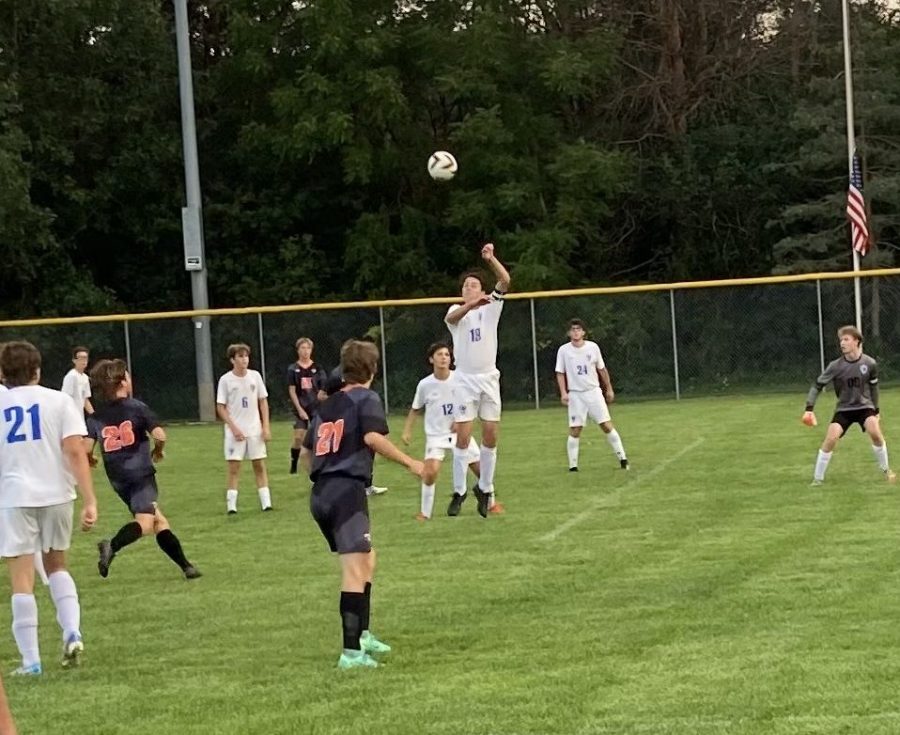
(429, 475)
(575, 432)
(606, 427)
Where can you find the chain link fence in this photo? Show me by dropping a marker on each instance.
(717, 340)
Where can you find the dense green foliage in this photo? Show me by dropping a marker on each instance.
(606, 141)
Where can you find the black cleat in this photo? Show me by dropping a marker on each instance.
(623, 463)
(456, 504)
(573, 469)
(191, 572)
(232, 512)
(106, 557)
(484, 501)
(268, 508)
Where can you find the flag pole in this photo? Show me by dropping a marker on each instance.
(851, 144)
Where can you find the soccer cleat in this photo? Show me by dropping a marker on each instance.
(33, 670)
(891, 476)
(573, 469)
(72, 650)
(268, 508)
(376, 490)
(356, 659)
(370, 644)
(191, 572)
(484, 501)
(232, 511)
(623, 463)
(456, 504)
(817, 483)
(497, 509)
(106, 557)
(422, 517)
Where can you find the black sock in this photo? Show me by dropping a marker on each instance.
(364, 622)
(127, 534)
(169, 543)
(352, 607)
(295, 455)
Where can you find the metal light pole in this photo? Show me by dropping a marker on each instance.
(192, 220)
(851, 142)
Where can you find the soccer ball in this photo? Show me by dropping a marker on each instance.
(442, 166)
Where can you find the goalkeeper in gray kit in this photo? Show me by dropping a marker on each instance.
(854, 376)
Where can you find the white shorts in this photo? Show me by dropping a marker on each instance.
(435, 449)
(587, 403)
(477, 394)
(27, 530)
(253, 447)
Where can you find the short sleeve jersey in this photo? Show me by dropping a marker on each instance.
(852, 381)
(307, 381)
(241, 396)
(437, 398)
(475, 337)
(336, 434)
(122, 428)
(34, 472)
(580, 365)
(77, 386)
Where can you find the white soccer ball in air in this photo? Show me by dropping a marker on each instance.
(442, 166)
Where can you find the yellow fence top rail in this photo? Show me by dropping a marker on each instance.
(598, 291)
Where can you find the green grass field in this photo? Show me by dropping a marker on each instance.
(709, 590)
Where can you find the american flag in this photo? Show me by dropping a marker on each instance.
(856, 210)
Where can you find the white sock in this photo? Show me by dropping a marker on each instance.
(460, 467)
(881, 456)
(822, 461)
(65, 597)
(231, 499)
(572, 443)
(427, 500)
(24, 628)
(39, 567)
(488, 465)
(265, 498)
(615, 441)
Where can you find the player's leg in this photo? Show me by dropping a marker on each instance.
(460, 458)
(171, 546)
(474, 458)
(56, 536)
(433, 462)
(615, 443)
(39, 567)
(834, 432)
(256, 453)
(233, 474)
(141, 524)
(489, 411)
(872, 426)
(300, 427)
(24, 611)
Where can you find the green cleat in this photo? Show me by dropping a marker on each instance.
(356, 659)
(370, 644)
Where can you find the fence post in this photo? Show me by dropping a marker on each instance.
(127, 347)
(537, 380)
(674, 344)
(821, 326)
(384, 362)
(262, 346)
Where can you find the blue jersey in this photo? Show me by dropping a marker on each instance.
(122, 429)
(336, 435)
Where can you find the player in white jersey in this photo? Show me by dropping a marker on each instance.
(42, 457)
(76, 384)
(579, 372)
(473, 326)
(38, 556)
(242, 403)
(436, 397)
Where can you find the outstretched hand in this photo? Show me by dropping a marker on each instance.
(487, 251)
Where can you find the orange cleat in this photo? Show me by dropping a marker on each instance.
(497, 508)
(422, 517)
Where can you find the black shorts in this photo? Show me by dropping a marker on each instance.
(300, 423)
(139, 495)
(339, 506)
(846, 419)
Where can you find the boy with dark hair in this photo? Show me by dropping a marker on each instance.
(340, 445)
(123, 426)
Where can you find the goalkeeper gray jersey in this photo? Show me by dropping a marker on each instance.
(855, 383)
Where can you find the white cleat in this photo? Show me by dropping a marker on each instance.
(72, 651)
(376, 490)
(817, 483)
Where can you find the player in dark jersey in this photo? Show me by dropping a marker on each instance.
(305, 379)
(855, 378)
(123, 426)
(343, 438)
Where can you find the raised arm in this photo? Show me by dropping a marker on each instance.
(454, 316)
(497, 268)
